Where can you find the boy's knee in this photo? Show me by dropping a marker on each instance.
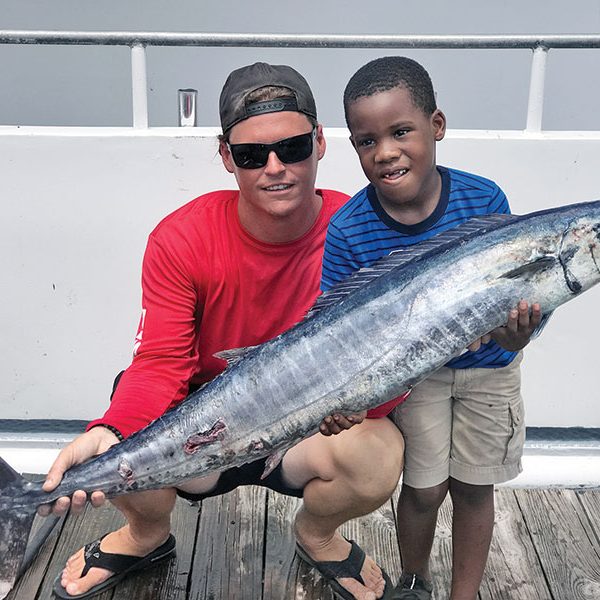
(472, 495)
(425, 499)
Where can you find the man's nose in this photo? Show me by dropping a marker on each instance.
(274, 166)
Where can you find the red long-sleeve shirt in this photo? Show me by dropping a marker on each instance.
(208, 286)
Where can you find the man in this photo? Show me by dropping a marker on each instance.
(227, 270)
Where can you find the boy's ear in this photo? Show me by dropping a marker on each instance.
(438, 122)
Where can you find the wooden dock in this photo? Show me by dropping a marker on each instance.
(239, 546)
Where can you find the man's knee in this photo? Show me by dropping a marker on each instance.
(373, 458)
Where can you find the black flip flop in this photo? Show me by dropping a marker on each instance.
(120, 564)
(349, 567)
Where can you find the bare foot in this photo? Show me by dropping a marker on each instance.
(337, 549)
(117, 542)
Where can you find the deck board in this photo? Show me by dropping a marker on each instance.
(546, 546)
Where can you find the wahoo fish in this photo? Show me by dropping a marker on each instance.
(366, 341)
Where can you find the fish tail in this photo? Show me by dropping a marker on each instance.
(15, 525)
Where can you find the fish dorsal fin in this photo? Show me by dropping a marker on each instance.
(233, 355)
(402, 256)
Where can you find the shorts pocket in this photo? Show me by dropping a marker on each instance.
(516, 428)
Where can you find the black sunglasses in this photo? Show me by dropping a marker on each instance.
(289, 150)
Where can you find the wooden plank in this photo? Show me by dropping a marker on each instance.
(228, 558)
(590, 500)
(512, 569)
(169, 580)
(31, 580)
(556, 522)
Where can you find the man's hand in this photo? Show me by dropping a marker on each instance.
(515, 335)
(334, 424)
(91, 443)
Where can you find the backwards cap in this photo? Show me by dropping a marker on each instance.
(234, 108)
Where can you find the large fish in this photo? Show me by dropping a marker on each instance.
(366, 341)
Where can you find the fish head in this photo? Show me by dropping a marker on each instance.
(579, 252)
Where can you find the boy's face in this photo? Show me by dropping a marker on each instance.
(395, 141)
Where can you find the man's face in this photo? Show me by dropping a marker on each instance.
(395, 141)
(277, 189)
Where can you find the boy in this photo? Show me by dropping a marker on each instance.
(463, 426)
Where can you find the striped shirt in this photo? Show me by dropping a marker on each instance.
(361, 232)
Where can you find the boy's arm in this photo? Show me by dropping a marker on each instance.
(338, 260)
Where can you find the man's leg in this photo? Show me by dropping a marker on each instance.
(344, 476)
(472, 526)
(148, 516)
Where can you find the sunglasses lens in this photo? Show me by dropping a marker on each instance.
(249, 156)
(296, 149)
(289, 150)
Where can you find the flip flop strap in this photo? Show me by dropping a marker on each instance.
(349, 567)
(94, 557)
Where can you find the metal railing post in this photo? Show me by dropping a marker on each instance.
(139, 86)
(535, 105)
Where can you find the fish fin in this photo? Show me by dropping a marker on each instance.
(15, 525)
(402, 256)
(234, 354)
(531, 268)
(272, 462)
(543, 322)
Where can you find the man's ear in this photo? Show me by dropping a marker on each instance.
(438, 122)
(226, 156)
(320, 141)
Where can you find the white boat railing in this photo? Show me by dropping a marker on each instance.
(539, 44)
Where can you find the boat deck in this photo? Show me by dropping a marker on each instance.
(546, 546)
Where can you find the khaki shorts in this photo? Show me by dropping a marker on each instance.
(463, 423)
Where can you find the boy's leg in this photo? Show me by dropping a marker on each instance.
(425, 419)
(472, 527)
(344, 476)
(487, 444)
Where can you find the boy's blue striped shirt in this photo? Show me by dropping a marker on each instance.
(361, 232)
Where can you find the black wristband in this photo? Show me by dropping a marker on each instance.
(111, 428)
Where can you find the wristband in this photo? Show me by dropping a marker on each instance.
(111, 428)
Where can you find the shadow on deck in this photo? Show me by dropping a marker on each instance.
(546, 546)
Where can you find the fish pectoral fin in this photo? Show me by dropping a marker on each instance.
(272, 462)
(531, 268)
(234, 354)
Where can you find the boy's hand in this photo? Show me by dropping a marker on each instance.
(334, 424)
(515, 335)
(89, 444)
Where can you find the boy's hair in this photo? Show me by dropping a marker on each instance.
(386, 73)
